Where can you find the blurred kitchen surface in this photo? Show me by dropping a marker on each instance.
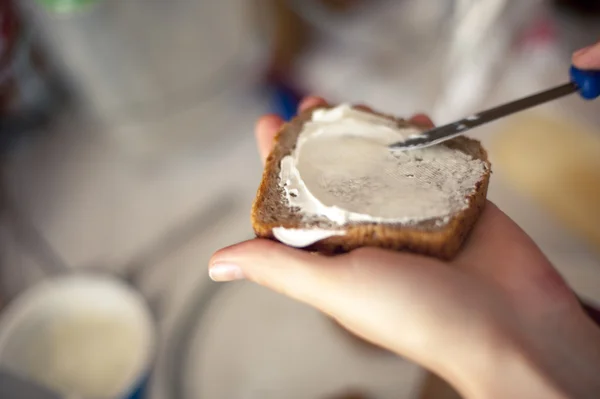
(149, 164)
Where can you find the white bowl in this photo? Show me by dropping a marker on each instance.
(81, 335)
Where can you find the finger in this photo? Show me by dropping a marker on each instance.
(588, 58)
(311, 102)
(310, 278)
(422, 120)
(265, 131)
(287, 270)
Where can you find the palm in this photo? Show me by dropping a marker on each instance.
(486, 289)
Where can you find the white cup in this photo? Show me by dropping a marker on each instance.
(83, 336)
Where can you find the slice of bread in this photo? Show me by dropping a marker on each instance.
(442, 240)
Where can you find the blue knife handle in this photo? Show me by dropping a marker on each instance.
(588, 82)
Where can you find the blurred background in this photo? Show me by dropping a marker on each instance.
(127, 150)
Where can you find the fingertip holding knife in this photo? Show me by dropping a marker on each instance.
(584, 82)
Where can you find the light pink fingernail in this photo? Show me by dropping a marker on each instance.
(223, 272)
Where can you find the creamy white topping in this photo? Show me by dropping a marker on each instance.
(300, 238)
(343, 170)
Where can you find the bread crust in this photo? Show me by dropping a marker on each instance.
(424, 238)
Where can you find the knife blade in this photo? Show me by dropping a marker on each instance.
(586, 82)
(440, 134)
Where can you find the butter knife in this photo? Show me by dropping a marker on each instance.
(586, 83)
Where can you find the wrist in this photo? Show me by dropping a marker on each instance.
(511, 375)
(500, 370)
(546, 364)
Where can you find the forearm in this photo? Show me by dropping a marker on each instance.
(577, 370)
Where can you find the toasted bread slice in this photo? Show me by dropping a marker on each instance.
(430, 237)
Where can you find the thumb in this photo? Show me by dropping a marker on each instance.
(304, 276)
(588, 58)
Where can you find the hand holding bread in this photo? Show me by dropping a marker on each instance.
(475, 320)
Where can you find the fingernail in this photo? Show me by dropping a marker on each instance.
(223, 272)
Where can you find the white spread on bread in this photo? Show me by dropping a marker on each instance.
(300, 238)
(343, 170)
